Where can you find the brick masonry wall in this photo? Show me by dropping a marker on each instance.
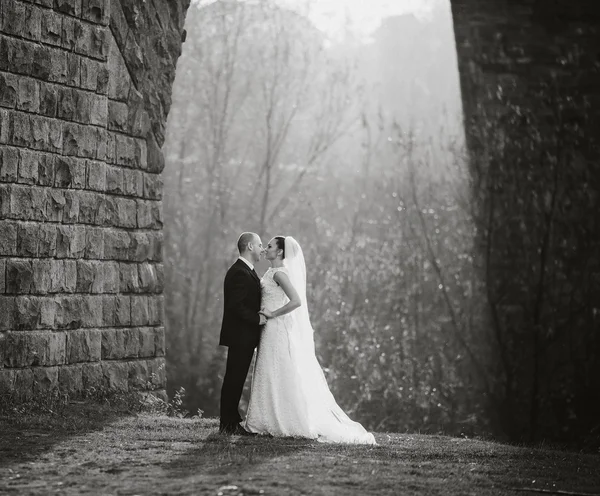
(84, 95)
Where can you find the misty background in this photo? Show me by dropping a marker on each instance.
(352, 141)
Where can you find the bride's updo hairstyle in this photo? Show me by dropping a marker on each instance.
(280, 240)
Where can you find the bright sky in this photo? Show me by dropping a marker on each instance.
(361, 16)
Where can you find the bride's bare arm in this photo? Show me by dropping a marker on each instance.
(283, 280)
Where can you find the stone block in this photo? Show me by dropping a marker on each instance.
(70, 7)
(71, 208)
(5, 201)
(156, 240)
(144, 214)
(73, 135)
(156, 310)
(28, 95)
(139, 311)
(8, 310)
(119, 83)
(46, 134)
(45, 172)
(55, 206)
(2, 287)
(91, 74)
(116, 244)
(27, 203)
(20, 133)
(111, 277)
(48, 99)
(147, 342)
(74, 71)
(5, 124)
(88, 207)
(19, 276)
(95, 11)
(102, 144)
(70, 379)
(68, 98)
(138, 120)
(126, 151)
(94, 241)
(120, 343)
(28, 167)
(147, 277)
(57, 276)
(41, 67)
(27, 312)
(83, 345)
(22, 57)
(45, 379)
(154, 156)
(23, 383)
(7, 382)
(126, 212)
(27, 239)
(123, 310)
(69, 312)
(133, 182)
(96, 176)
(90, 276)
(69, 35)
(138, 375)
(47, 313)
(116, 375)
(89, 142)
(117, 116)
(9, 86)
(70, 241)
(107, 211)
(13, 18)
(92, 316)
(9, 163)
(70, 272)
(83, 110)
(153, 186)
(47, 240)
(99, 110)
(108, 310)
(140, 248)
(157, 373)
(114, 180)
(59, 66)
(92, 377)
(33, 23)
(34, 348)
(51, 27)
(129, 282)
(160, 277)
(41, 276)
(159, 341)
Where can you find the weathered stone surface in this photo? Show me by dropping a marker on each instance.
(9, 163)
(25, 349)
(120, 343)
(8, 238)
(83, 345)
(156, 310)
(19, 276)
(129, 281)
(116, 375)
(69, 221)
(70, 379)
(45, 379)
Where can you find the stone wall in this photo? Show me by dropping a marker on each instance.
(84, 95)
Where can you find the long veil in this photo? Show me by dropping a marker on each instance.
(326, 417)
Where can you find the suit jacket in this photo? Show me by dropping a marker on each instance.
(242, 294)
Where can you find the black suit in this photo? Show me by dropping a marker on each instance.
(240, 331)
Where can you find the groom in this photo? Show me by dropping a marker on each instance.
(241, 327)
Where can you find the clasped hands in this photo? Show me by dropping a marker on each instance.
(264, 315)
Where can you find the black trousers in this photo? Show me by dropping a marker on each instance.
(238, 364)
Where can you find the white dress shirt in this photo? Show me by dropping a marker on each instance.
(246, 262)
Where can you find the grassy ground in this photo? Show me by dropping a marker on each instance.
(93, 450)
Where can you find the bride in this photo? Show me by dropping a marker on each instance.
(289, 395)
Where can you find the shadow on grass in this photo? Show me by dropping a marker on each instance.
(219, 454)
(26, 434)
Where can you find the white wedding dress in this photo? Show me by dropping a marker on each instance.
(290, 395)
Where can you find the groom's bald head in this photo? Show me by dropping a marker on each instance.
(245, 239)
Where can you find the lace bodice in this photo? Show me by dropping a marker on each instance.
(273, 296)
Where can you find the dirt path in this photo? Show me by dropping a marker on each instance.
(151, 455)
